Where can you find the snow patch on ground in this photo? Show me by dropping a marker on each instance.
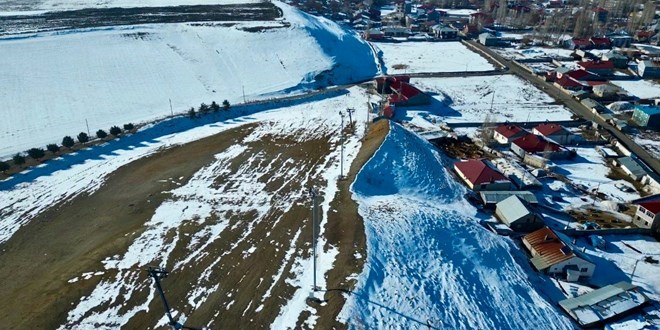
(431, 57)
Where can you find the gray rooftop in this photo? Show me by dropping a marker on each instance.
(494, 197)
(632, 166)
(512, 209)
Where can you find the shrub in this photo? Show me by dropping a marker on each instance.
(68, 142)
(214, 107)
(115, 130)
(4, 166)
(225, 104)
(36, 153)
(192, 113)
(129, 127)
(18, 159)
(54, 147)
(83, 137)
(101, 134)
(203, 108)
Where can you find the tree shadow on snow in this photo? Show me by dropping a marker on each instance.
(144, 137)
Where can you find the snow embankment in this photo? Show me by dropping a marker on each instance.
(56, 83)
(429, 263)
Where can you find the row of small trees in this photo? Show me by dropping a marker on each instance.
(67, 142)
(206, 108)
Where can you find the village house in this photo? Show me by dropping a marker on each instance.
(373, 34)
(443, 32)
(606, 90)
(569, 84)
(580, 75)
(648, 212)
(537, 145)
(505, 133)
(552, 255)
(488, 39)
(602, 68)
(631, 167)
(554, 132)
(480, 175)
(604, 304)
(647, 116)
(384, 83)
(490, 198)
(620, 39)
(516, 214)
(620, 61)
(405, 94)
(601, 43)
(577, 43)
(648, 69)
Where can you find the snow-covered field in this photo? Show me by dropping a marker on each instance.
(641, 88)
(469, 100)
(30, 7)
(430, 57)
(590, 171)
(533, 52)
(56, 82)
(429, 263)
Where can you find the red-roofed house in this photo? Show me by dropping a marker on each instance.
(552, 255)
(576, 43)
(535, 144)
(603, 68)
(479, 175)
(581, 75)
(601, 43)
(504, 134)
(648, 212)
(384, 84)
(554, 132)
(570, 84)
(405, 94)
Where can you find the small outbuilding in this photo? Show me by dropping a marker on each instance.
(647, 116)
(516, 214)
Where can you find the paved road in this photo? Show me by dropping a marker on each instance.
(576, 107)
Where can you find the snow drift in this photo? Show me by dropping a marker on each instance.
(429, 263)
(53, 83)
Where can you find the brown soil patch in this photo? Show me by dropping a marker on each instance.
(461, 148)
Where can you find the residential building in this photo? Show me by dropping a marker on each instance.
(480, 175)
(384, 84)
(518, 175)
(444, 32)
(396, 31)
(606, 90)
(373, 34)
(602, 68)
(631, 167)
(601, 43)
(649, 69)
(554, 256)
(554, 132)
(504, 134)
(620, 61)
(515, 213)
(537, 145)
(580, 75)
(406, 94)
(491, 198)
(404, 7)
(647, 116)
(488, 39)
(648, 212)
(576, 43)
(620, 39)
(602, 305)
(569, 84)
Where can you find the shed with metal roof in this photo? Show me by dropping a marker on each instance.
(515, 213)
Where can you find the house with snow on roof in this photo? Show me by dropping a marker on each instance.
(648, 212)
(552, 255)
(537, 145)
(506, 133)
(479, 174)
(605, 304)
(554, 132)
(517, 215)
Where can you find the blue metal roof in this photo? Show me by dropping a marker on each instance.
(649, 110)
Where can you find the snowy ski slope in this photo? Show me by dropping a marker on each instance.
(429, 262)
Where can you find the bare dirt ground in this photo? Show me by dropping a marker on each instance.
(240, 265)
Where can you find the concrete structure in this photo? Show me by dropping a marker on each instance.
(631, 167)
(647, 116)
(648, 212)
(491, 198)
(480, 175)
(604, 304)
(554, 132)
(552, 255)
(648, 69)
(504, 134)
(488, 39)
(514, 213)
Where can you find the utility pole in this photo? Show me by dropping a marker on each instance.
(492, 99)
(350, 116)
(87, 124)
(313, 193)
(243, 87)
(341, 136)
(171, 109)
(157, 274)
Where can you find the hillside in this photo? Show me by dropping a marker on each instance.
(429, 262)
(58, 83)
